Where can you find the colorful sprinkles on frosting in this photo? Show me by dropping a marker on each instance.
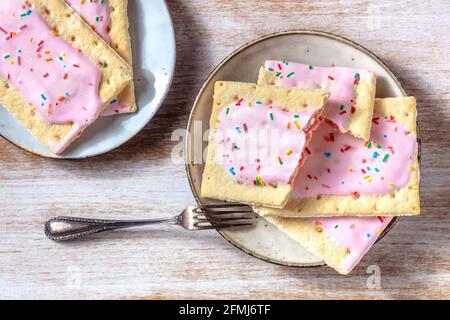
(38, 60)
(340, 164)
(355, 235)
(97, 14)
(257, 140)
(340, 82)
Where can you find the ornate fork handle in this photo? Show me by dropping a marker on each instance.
(69, 228)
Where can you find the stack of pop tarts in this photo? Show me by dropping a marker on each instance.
(63, 64)
(316, 154)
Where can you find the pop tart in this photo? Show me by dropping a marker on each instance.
(109, 18)
(346, 176)
(256, 141)
(341, 242)
(352, 91)
(56, 75)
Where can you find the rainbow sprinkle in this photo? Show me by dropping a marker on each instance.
(259, 181)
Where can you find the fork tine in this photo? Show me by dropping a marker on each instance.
(235, 214)
(228, 216)
(224, 206)
(228, 213)
(225, 219)
(231, 224)
(228, 210)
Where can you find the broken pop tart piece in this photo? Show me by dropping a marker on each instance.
(341, 242)
(256, 141)
(346, 176)
(352, 91)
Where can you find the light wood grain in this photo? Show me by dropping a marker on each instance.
(139, 178)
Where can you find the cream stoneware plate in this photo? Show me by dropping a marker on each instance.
(265, 241)
(153, 42)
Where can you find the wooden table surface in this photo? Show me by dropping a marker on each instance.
(139, 178)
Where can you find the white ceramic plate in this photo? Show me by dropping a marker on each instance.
(265, 241)
(154, 51)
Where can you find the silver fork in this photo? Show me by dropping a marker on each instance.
(203, 217)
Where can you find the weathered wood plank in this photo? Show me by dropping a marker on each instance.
(139, 177)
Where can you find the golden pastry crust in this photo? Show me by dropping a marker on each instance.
(217, 183)
(71, 28)
(401, 202)
(121, 42)
(360, 121)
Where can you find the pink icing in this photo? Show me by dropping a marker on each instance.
(340, 164)
(340, 82)
(59, 82)
(96, 14)
(356, 234)
(260, 144)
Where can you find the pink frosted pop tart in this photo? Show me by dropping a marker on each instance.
(56, 75)
(344, 175)
(256, 141)
(341, 242)
(352, 91)
(109, 18)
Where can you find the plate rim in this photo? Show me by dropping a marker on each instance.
(165, 92)
(328, 35)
